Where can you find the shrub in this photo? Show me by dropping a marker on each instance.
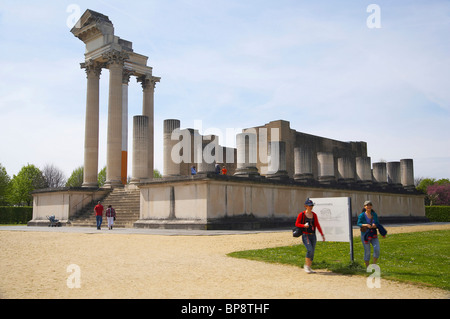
(15, 215)
(438, 213)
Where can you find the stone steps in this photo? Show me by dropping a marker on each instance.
(126, 203)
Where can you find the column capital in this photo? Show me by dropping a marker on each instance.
(115, 57)
(148, 81)
(126, 76)
(92, 67)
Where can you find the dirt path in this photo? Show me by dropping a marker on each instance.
(34, 265)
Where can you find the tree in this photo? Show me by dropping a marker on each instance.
(4, 185)
(424, 183)
(436, 191)
(76, 179)
(156, 173)
(439, 194)
(102, 177)
(27, 180)
(53, 176)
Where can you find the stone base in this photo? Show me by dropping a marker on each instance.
(248, 172)
(232, 223)
(279, 176)
(46, 223)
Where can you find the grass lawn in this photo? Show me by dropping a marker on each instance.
(421, 257)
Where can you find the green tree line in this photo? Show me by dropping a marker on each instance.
(16, 191)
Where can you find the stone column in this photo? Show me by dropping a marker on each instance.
(124, 161)
(363, 171)
(246, 155)
(210, 145)
(140, 149)
(277, 161)
(393, 174)
(380, 173)
(171, 160)
(148, 87)
(93, 70)
(407, 173)
(346, 170)
(114, 143)
(326, 167)
(303, 164)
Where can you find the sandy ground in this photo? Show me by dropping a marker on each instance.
(35, 264)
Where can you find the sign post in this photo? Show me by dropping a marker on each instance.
(335, 217)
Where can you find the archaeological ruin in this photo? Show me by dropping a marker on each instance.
(270, 173)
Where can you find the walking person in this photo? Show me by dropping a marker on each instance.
(368, 221)
(110, 216)
(309, 222)
(99, 214)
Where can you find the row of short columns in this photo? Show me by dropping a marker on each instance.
(396, 174)
(347, 170)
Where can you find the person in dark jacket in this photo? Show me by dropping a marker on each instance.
(368, 223)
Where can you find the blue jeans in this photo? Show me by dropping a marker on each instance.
(376, 248)
(309, 240)
(99, 220)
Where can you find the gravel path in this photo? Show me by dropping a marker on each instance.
(34, 264)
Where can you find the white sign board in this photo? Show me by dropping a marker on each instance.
(333, 214)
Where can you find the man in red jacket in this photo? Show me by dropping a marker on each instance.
(99, 214)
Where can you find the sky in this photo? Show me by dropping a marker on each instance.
(344, 70)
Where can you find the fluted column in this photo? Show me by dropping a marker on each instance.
(93, 70)
(124, 160)
(148, 87)
(114, 140)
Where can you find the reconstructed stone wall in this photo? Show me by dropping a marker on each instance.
(217, 202)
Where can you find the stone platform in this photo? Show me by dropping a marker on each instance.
(227, 202)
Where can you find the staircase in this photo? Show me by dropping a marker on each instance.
(126, 202)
